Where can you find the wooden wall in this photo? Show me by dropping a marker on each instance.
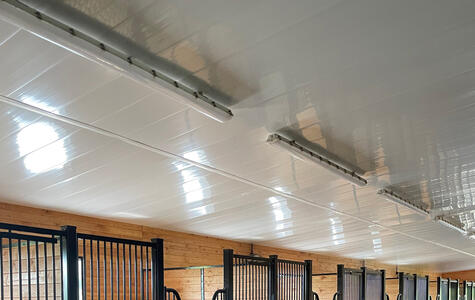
(463, 275)
(183, 249)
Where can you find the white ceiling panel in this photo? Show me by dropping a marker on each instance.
(387, 86)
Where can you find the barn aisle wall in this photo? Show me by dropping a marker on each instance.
(182, 249)
(463, 275)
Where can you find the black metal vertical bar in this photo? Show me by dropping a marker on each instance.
(1, 270)
(293, 278)
(146, 273)
(251, 282)
(258, 280)
(61, 265)
(285, 276)
(415, 288)
(401, 286)
(10, 258)
(383, 285)
(273, 278)
(112, 268)
(238, 282)
(363, 283)
(45, 249)
(91, 269)
(98, 270)
(290, 279)
(105, 270)
(124, 288)
(246, 282)
(70, 258)
(117, 271)
(285, 279)
(340, 281)
(158, 274)
(53, 257)
(142, 293)
(228, 273)
(20, 281)
(37, 270)
(235, 272)
(135, 278)
(282, 281)
(278, 285)
(300, 277)
(84, 269)
(308, 292)
(288, 274)
(249, 279)
(28, 256)
(130, 272)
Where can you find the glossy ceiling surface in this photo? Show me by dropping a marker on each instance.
(388, 86)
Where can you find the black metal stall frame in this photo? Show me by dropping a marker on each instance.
(47, 263)
(447, 289)
(468, 290)
(442, 288)
(413, 287)
(359, 284)
(265, 278)
(454, 289)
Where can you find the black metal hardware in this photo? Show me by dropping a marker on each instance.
(172, 294)
(70, 263)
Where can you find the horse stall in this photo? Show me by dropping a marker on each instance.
(413, 287)
(248, 277)
(40, 263)
(358, 284)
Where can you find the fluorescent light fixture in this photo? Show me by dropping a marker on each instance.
(311, 156)
(393, 197)
(79, 35)
(450, 225)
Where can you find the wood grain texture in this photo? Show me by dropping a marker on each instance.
(462, 275)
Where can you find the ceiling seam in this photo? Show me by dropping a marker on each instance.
(136, 143)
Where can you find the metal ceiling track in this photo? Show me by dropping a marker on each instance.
(108, 41)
